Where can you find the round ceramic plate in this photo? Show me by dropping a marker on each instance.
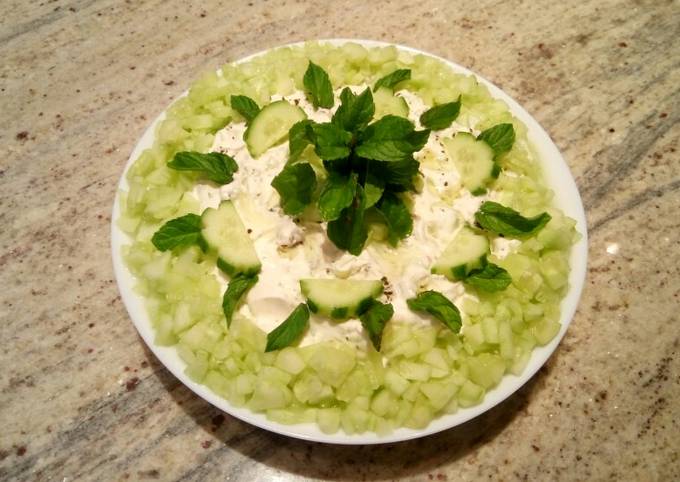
(567, 198)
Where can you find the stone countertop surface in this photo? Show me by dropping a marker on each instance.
(82, 398)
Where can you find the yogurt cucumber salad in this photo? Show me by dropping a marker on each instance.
(355, 237)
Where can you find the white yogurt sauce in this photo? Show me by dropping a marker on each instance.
(289, 251)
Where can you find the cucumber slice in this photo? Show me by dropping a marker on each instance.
(465, 253)
(339, 298)
(271, 125)
(473, 159)
(225, 233)
(387, 103)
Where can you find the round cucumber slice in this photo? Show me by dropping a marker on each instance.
(462, 255)
(473, 159)
(339, 298)
(225, 233)
(271, 125)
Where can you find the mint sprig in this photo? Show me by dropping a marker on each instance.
(368, 164)
(392, 79)
(318, 86)
(439, 306)
(179, 232)
(298, 139)
(490, 277)
(397, 217)
(337, 194)
(505, 221)
(290, 330)
(214, 166)
(349, 231)
(295, 184)
(500, 138)
(245, 106)
(238, 286)
(392, 139)
(440, 116)
(374, 318)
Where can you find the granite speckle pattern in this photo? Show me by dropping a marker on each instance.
(81, 398)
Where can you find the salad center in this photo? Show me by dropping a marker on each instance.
(293, 249)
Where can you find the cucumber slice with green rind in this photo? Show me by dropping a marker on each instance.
(339, 298)
(473, 159)
(225, 234)
(465, 253)
(271, 125)
(387, 103)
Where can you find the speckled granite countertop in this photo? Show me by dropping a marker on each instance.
(81, 398)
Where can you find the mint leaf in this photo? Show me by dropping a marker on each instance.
(349, 231)
(215, 166)
(489, 278)
(373, 188)
(500, 138)
(398, 175)
(298, 139)
(182, 231)
(439, 306)
(391, 139)
(245, 106)
(330, 141)
(290, 330)
(390, 80)
(508, 222)
(355, 112)
(318, 85)
(337, 194)
(440, 116)
(374, 319)
(295, 185)
(237, 288)
(397, 217)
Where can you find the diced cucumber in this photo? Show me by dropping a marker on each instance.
(486, 369)
(332, 362)
(339, 298)
(328, 420)
(462, 255)
(386, 103)
(271, 125)
(225, 233)
(473, 159)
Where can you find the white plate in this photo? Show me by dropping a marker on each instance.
(567, 198)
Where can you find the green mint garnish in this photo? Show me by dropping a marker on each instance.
(331, 141)
(349, 231)
(440, 116)
(367, 164)
(318, 86)
(245, 106)
(290, 330)
(337, 194)
(354, 112)
(439, 306)
(397, 217)
(295, 184)
(374, 318)
(237, 288)
(391, 80)
(391, 139)
(214, 166)
(182, 231)
(490, 277)
(500, 138)
(505, 221)
(298, 139)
